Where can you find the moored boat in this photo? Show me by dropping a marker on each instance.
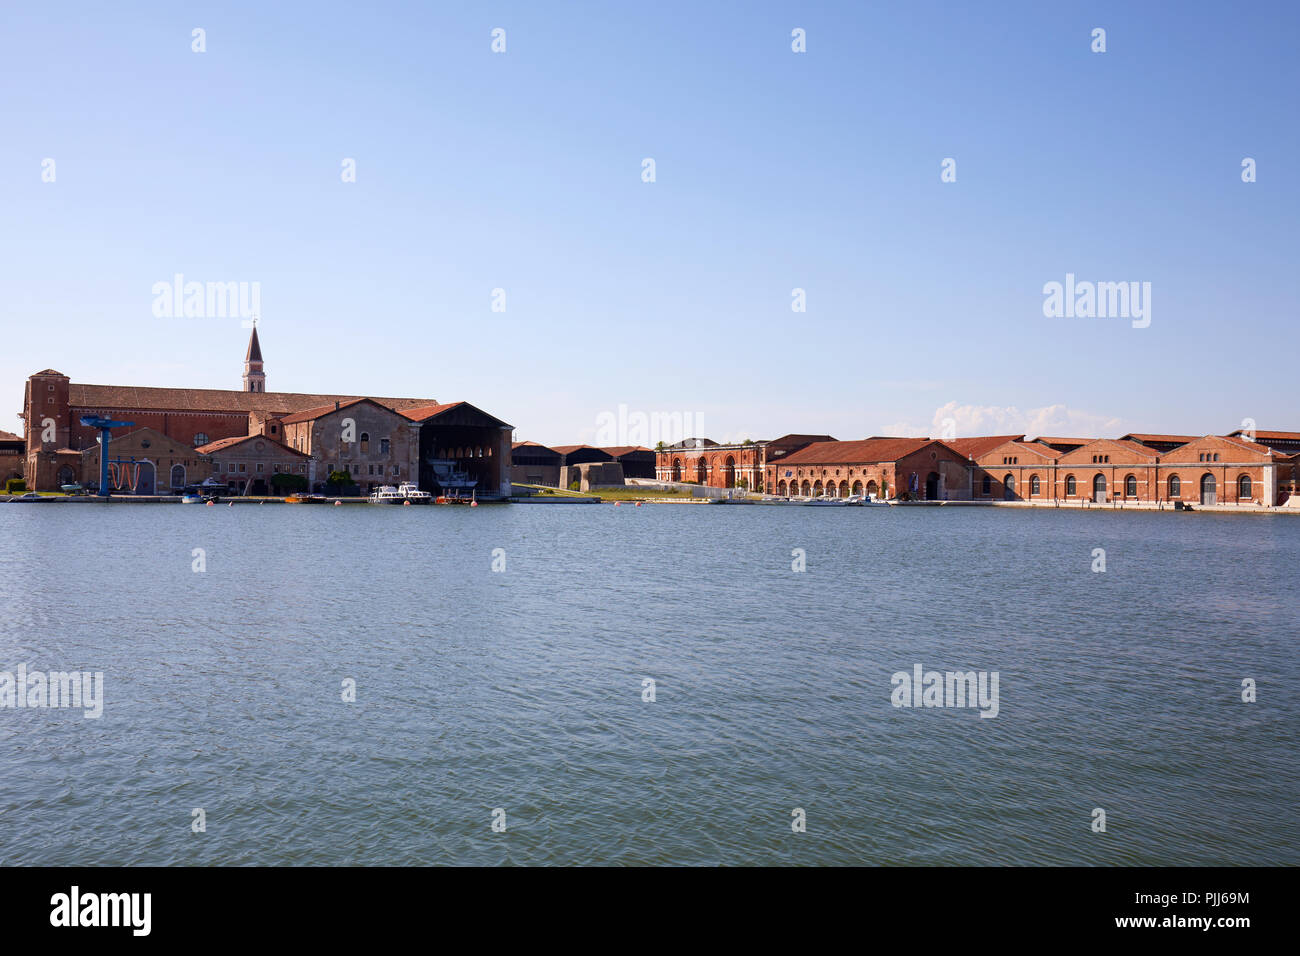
(387, 495)
(412, 493)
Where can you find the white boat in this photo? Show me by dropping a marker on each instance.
(387, 495)
(824, 502)
(412, 493)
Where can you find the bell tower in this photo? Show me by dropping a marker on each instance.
(254, 377)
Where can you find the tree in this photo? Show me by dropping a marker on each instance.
(282, 482)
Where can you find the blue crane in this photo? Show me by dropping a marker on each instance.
(103, 424)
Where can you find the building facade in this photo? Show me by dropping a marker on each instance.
(54, 438)
(920, 469)
(703, 461)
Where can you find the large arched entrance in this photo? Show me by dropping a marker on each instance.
(729, 472)
(701, 471)
(178, 476)
(677, 469)
(1209, 492)
(780, 488)
(857, 487)
(806, 490)
(872, 488)
(1099, 488)
(67, 476)
(1009, 487)
(932, 486)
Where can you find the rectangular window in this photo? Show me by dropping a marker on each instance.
(383, 446)
(242, 466)
(259, 467)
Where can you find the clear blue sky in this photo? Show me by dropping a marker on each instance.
(775, 170)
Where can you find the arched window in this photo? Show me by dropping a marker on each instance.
(1216, 456)
(1175, 487)
(1071, 489)
(986, 486)
(1035, 486)
(1130, 487)
(365, 443)
(201, 438)
(178, 476)
(1243, 486)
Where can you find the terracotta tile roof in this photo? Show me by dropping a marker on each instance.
(845, 452)
(1016, 447)
(1077, 456)
(1276, 436)
(975, 447)
(806, 439)
(428, 411)
(1063, 441)
(7, 436)
(128, 397)
(618, 451)
(1160, 439)
(221, 444)
(419, 413)
(531, 444)
(569, 449)
(1184, 453)
(311, 414)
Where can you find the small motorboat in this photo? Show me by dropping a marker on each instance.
(31, 498)
(192, 499)
(387, 495)
(413, 495)
(824, 502)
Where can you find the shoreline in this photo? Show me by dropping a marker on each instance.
(594, 499)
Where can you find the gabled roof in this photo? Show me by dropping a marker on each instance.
(1265, 436)
(531, 444)
(8, 436)
(426, 414)
(977, 446)
(1046, 440)
(570, 449)
(618, 451)
(1158, 439)
(1076, 456)
(223, 444)
(1183, 454)
(867, 450)
(320, 411)
(1018, 447)
(796, 438)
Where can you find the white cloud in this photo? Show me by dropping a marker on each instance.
(1056, 420)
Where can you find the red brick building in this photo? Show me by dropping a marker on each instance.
(916, 468)
(1208, 470)
(55, 439)
(744, 465)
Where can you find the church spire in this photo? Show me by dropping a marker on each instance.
(254, 377)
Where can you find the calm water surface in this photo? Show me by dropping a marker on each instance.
(522, 689)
